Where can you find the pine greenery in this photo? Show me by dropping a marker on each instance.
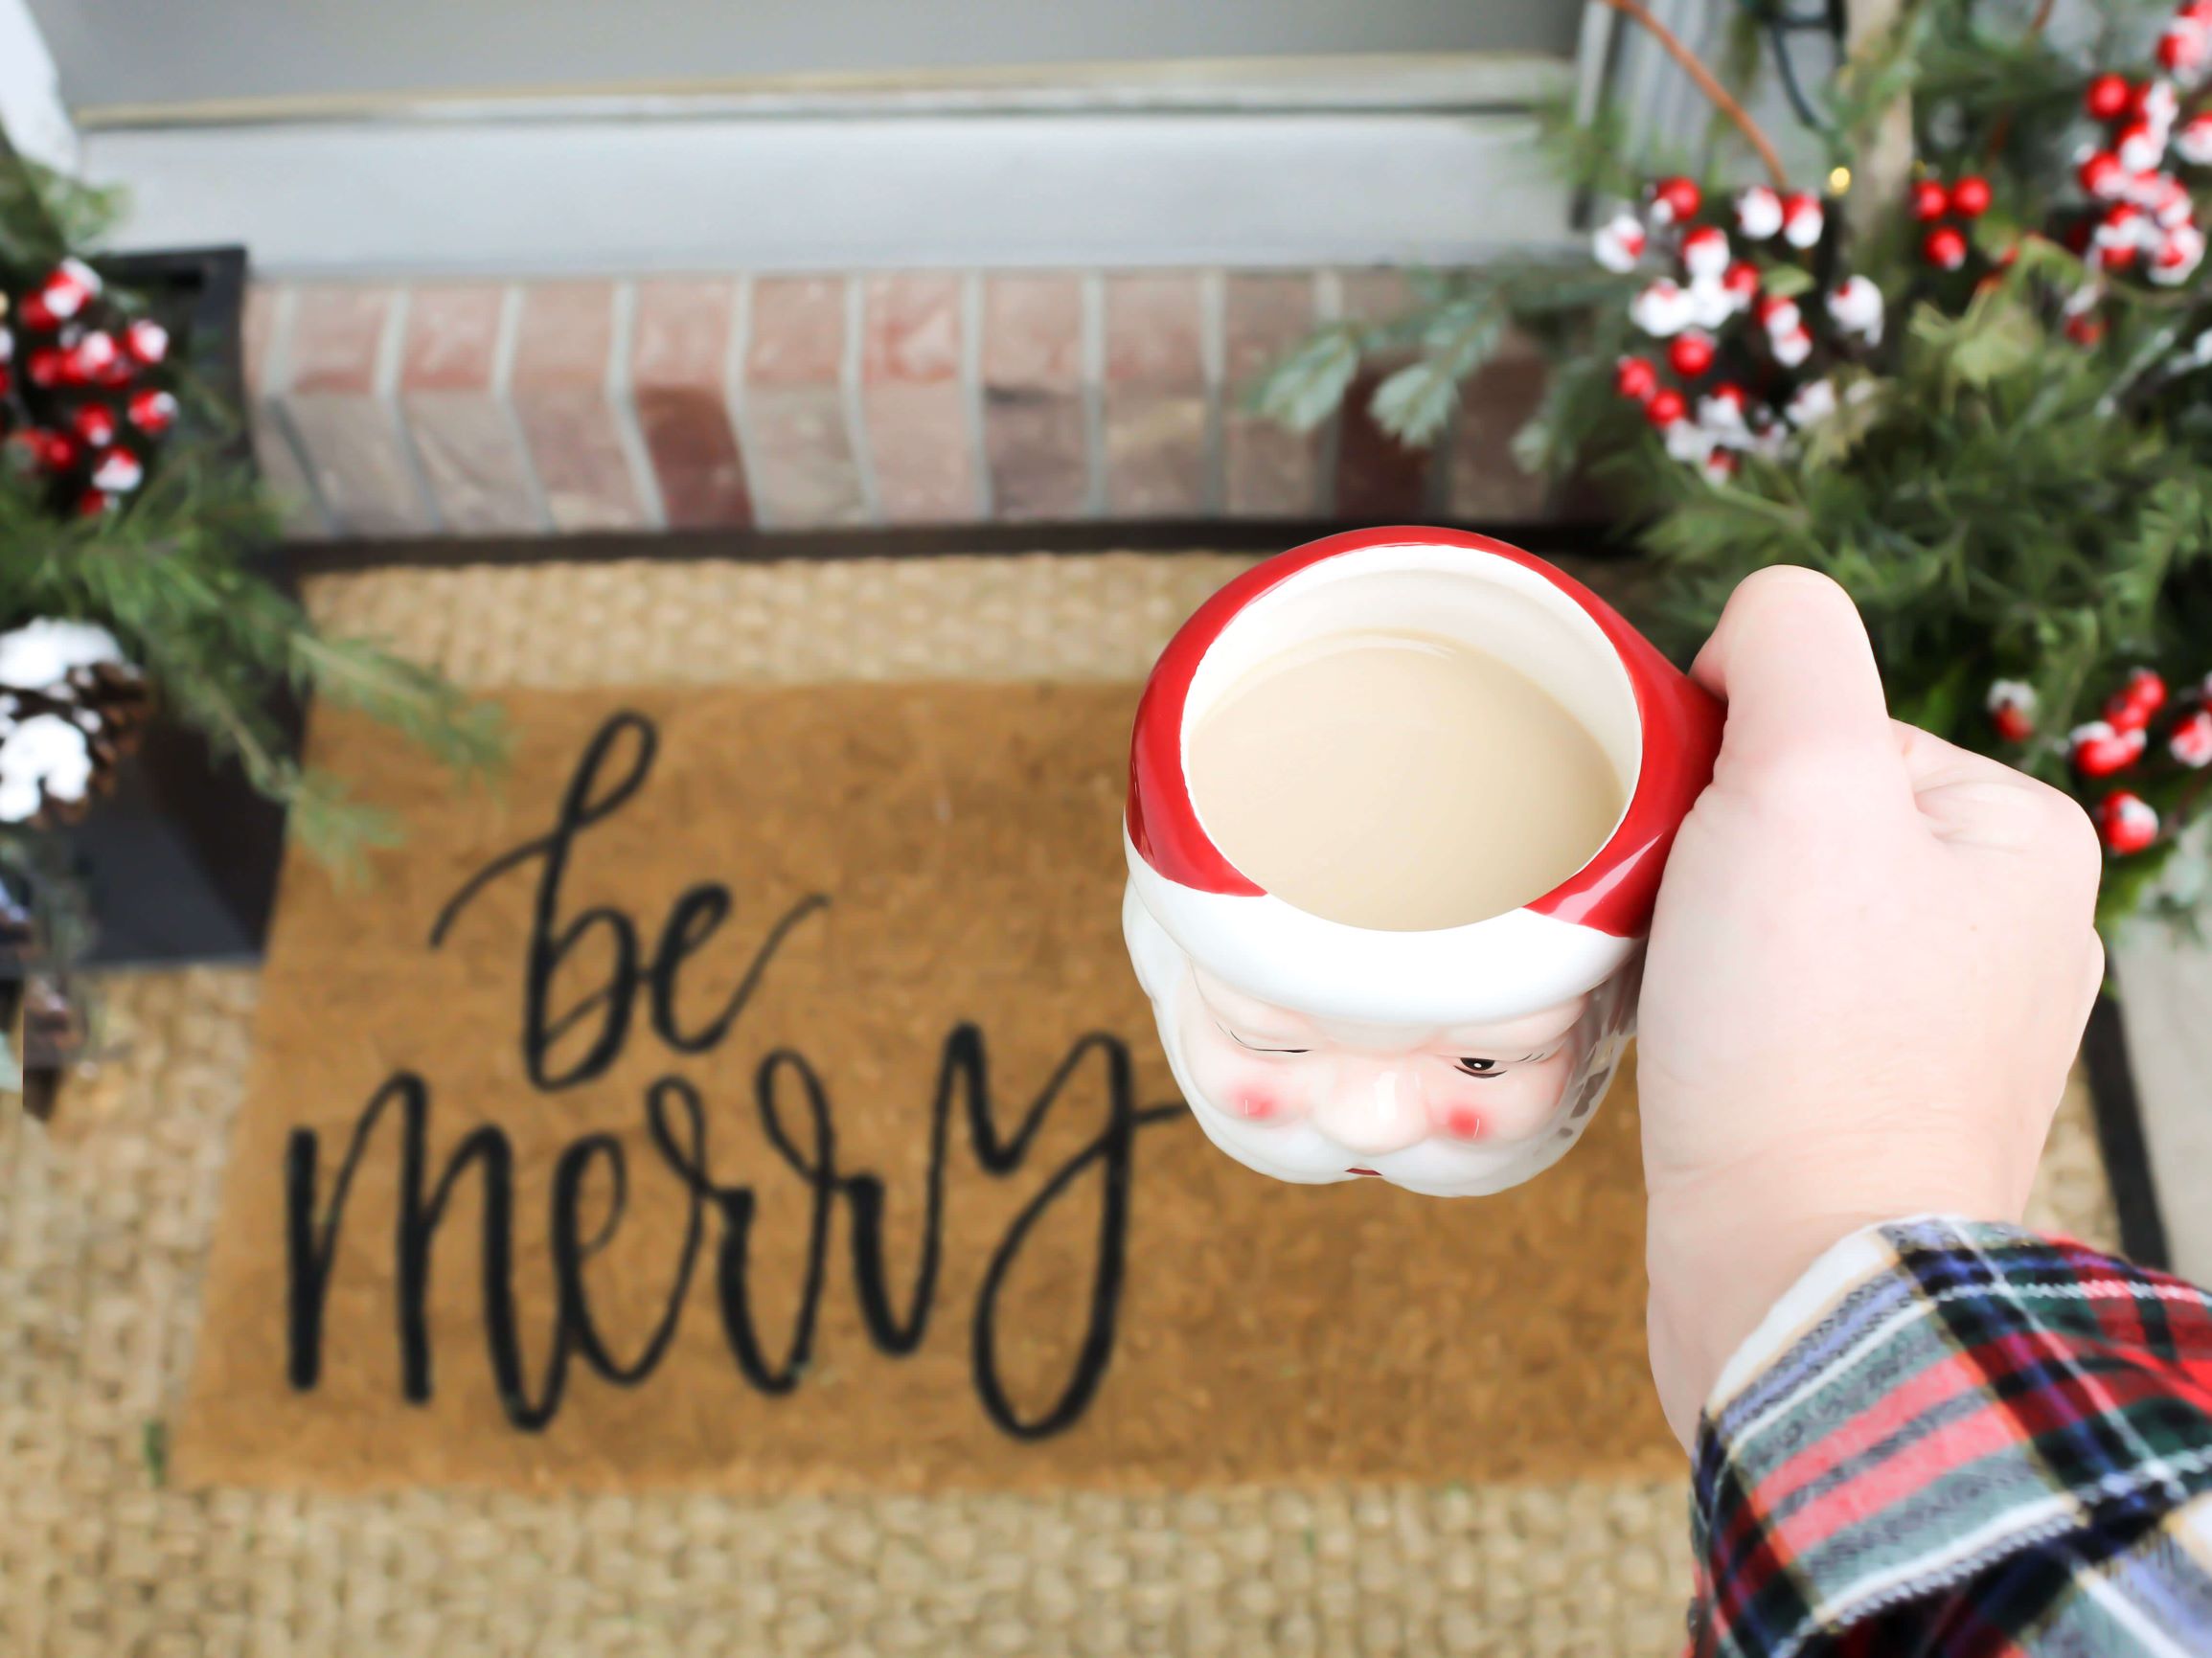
(2001, 501)
(181, 577)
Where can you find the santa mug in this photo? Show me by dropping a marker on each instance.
(1453, 1061)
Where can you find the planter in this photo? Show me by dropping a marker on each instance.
(179, 864)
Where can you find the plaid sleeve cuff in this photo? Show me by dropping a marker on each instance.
(1936, 1398)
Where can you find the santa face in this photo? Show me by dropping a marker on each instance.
(1447, 1111)
(1453, 1061)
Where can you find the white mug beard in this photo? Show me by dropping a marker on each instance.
(1301, 1154)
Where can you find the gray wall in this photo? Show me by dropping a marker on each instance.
(179, 51)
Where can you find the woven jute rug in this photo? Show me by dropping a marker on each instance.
(1231, 1482)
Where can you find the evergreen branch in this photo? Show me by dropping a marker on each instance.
(1303, 389)
(1703, 79)
(1465, 332)
(466, 736)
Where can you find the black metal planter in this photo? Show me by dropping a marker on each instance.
(179, 864)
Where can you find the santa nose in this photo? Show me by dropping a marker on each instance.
(1372, 1109)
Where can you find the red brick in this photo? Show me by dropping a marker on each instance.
(1375, 296)
(470, 457)
(1264, 316)
(566, 334)
(561, 356)
(681, 334)
(452, 336)
(922, 459)
(1153, 329)
(911, 327)
(1378, 480)
(1039, 446)
(1486, 484)
(1033, 332)
(363, 475)
(338, 332)
(798, 331)
(1272, 472)
(473, 463)
(802, 455)
(695, 457)
(679, 354)
(1156, 454)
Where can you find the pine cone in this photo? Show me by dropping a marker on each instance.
(106, 706)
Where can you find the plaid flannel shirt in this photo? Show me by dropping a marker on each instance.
(1951, 1439)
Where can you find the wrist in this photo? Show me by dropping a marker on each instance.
(1721, 1251)
(1710, 1288)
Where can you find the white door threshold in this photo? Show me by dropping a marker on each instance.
(1423, 168)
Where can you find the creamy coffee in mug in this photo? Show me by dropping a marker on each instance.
(1398, 780)
(1398, 804)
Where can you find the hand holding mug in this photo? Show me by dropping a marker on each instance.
(1870, 965)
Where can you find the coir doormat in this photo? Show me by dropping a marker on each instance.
(755, 1095)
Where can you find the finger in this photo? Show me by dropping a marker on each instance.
(1971, 800)
(1932, 761)
(1791, 659)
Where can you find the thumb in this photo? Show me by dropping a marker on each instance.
(1792, 660)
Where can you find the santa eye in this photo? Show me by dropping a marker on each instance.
(1256, 1048)
(1478, 1067)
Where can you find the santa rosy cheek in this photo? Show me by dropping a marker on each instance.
(1463, 1122)
(1257, 1108)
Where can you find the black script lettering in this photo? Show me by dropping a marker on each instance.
(796, 1117)
(676, 1121)
(313, 1247)
(582, 804)
(691, 921)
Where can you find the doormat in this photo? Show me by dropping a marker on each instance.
(754, 1096)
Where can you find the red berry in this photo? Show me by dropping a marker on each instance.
(93, 503)
(152, 412)
(1680, 198)
(2126, 822)
(1945, 247)
(2013, 722)
(37, 315)
(2191, 740)
(1692, 353)
(2138, 148)
(2102, 175)
(2098, 749)
(96, 352)
(1970, 197)
(1666, 407)
(2085, 330)
(1637, 378)
(46, 366)
(1741, 278)
(1930, 201)
(94, 423)
(2107, 97)
(2131, 708)
(118, 469)
(54, 451)
(147, 340)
